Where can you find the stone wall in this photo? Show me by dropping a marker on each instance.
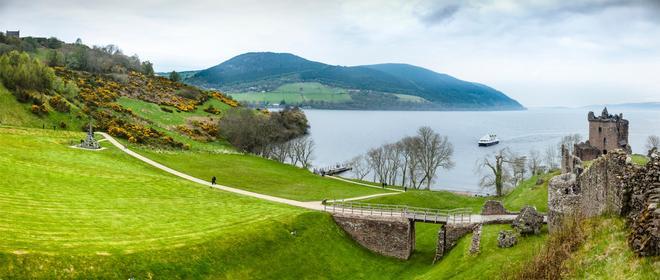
(597, 190)
(448, 236)
(612, 184)
(494, 207)
(642, 211)
(389, 236)
(475, 246)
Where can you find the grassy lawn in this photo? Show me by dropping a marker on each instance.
(153, 112)
(257, 174)
(526, 193)
(70, 213)
(491, 261)
(606, 255)
(296, 93)
(432, 199)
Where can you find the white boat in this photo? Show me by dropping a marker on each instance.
(488, 140)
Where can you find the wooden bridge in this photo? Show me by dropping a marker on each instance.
(417, 214)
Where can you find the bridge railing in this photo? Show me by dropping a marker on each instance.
(460, 215)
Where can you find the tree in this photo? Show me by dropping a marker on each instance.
(378, 164)
(79, 41)
(436, 152)
(175, 77)
(534, 162)
(303, 149)
(551, 157)
(653, 141)
(147, 68)
(498, 176)
(518, 166)
(359, 167)
(569, 141)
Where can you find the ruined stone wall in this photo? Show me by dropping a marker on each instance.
(494, 207)
(601, 185)
(389, 236)
(564, 198)
(642, 211)
(448, 236)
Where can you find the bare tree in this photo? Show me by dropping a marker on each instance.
(393, 153)
(551, 157)
(302, 148)
(653, 141)
(518, 166)
(534, 162)
(359, 167)
(412, 150)
(569, 141)
(436, 152)
(497, 176)
(378, 164)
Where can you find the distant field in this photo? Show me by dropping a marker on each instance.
(410, 98)
(296, 93)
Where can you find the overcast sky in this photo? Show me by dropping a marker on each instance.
(542, 53)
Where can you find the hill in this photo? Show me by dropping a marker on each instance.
(381, 86)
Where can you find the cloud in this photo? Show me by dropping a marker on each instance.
(440, 14)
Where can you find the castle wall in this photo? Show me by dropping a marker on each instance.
(389, 236)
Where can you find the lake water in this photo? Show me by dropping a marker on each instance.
(341, 135)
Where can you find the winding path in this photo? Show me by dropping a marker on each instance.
(312, 205)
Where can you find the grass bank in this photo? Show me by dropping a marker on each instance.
(526, 193)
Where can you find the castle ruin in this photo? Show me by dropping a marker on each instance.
(611, 184)
(606, 133)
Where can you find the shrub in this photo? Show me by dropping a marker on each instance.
(165, 109)
(39, 110)
(19, 71)
(212, 110)
(59, 104)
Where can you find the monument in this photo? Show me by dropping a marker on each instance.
(90, 142)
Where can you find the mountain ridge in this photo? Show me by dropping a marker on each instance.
(265, 71)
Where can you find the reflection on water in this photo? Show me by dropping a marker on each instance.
(341, 135)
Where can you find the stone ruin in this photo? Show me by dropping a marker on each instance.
(449, 235)
(494, 207)
(529, 221)
(612, 185)
(90, 142)
(606, 133)
(507, 239)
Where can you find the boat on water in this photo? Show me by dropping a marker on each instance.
(488, 140)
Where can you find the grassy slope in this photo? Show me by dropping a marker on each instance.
(152, 111)
(258, 175)
(491, 261)
(527, 193)
(84, 214)
(291, 93)
(606, 255)
(14, 113)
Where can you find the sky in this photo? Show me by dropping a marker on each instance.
(541, 53)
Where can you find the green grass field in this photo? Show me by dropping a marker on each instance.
(256, 174)
(296, 93)
(526, 193)
(70, 213)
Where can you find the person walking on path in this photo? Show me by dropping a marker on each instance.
(213, 180)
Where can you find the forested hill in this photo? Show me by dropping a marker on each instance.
(381, 86)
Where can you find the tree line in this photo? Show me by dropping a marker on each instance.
(281, 136)
(412, 162)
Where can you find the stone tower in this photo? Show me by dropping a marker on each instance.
(606, 133)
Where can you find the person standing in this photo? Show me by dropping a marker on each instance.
(213, 180)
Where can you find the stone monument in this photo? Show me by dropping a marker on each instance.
(90, 142)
